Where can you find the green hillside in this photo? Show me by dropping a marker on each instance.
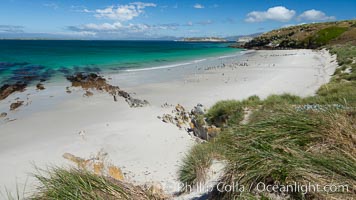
(307, 36)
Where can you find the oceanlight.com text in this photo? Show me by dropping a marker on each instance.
(293, 187)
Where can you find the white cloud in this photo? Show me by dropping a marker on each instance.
(11, 29)
(102, 27)
(278, 13)
(193, 31)
(118, 27)
(206, 22)
(315, 15)
(79, 33)
(51, 5)
(190, 23)
(287, 25)
(142, 5)
(123, 12)
(86, 10)
(109, 27)
(198, 6)
(79, 8)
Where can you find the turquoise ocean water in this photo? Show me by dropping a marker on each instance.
(34, 60)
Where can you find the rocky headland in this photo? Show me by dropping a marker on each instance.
(306, 36)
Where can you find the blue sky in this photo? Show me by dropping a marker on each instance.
(124, 19)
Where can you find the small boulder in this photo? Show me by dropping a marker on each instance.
(98, 167)
(4, 114)
(191, 125)
(40, 86)
(155, 189)
(213, 131)
(15, 105)
(167, 118)
(179, 108)
(81, 163)
(68, 90)
(88, 93)
(136, 102)
(198, 109)
(115, 173)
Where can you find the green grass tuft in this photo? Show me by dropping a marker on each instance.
(285, 146)
(195, 164)
(224, 111)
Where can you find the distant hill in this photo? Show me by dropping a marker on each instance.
(203, 39)
(236, 37)
(308, 36)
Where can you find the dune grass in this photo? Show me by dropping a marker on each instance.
(231, 111)
(345, 53)
(281, 144)
(59, 183)
(197, 162)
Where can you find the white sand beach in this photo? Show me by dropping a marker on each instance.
(144, 147)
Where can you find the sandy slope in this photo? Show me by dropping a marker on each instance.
(144, 147)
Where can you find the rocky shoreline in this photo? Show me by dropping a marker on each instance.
(86, 81)
(96, 82)
(7, 89)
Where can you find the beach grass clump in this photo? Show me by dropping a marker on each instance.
(230, 111)
(336, 92)
(282, 99)
(252, 100)
(59, 183)
(195, 164)
(345, 53)
(224, 111)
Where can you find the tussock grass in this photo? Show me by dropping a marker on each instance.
(336, 92)
(196, 164)
(345, 53)
(223, 111)
(59, 183)
(286, 146)
(281, 99)
(230, 111)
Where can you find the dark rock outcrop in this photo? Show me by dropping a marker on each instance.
(3, 114)
(40, 86)
(15, 105)
(193, 122)
(8, 89)
(94, 81)
(88, 93)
